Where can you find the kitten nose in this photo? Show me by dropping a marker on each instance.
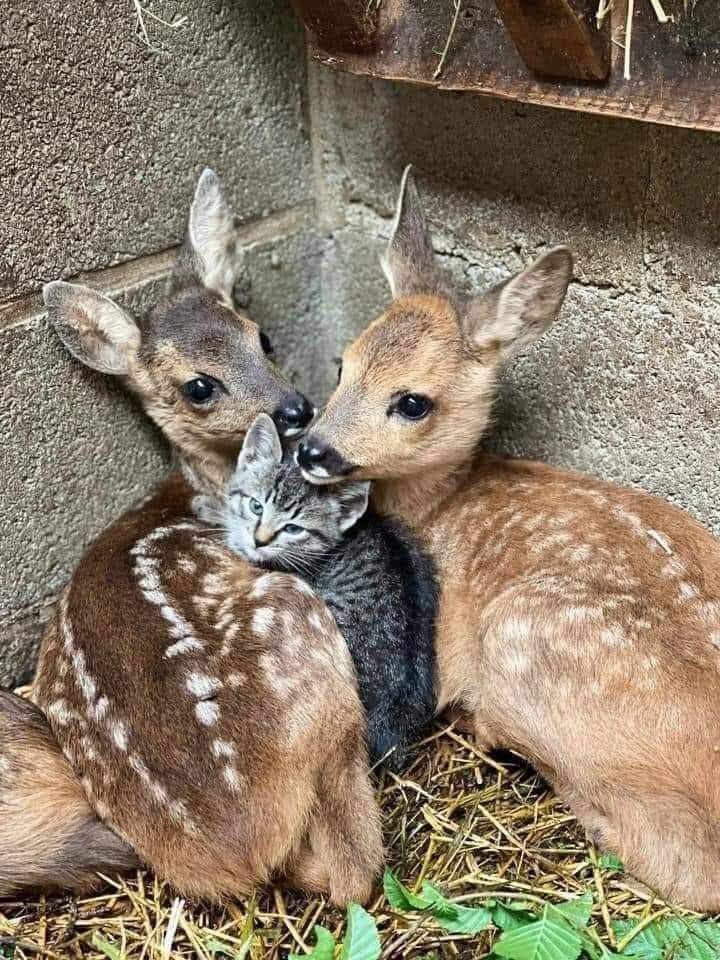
(262, 536)
(293, 415)
(314, 453)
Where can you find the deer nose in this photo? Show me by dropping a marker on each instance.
(293, 415)
(318, 457)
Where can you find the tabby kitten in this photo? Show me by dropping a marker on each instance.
(379, 586)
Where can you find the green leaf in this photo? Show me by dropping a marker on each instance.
(608, 861)
(577, 911)
(546, 939)
(681, 940)
(107, 948)
(454, 917)
(324, 948)
(398, 895)
(507, 917)
(217, 946)
(361, 940)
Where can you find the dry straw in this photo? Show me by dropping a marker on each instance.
(475, 827)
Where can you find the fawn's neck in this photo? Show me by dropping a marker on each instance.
(206, 472)
(414, 499)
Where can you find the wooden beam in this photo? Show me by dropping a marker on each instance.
(342, 25)
(559, 38)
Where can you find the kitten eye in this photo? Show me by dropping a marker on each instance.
(255, 507)
(413, 406)
(292, 528)
(200, 390)
(266, 344)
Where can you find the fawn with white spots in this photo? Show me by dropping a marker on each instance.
(220, 742)
(579, 621)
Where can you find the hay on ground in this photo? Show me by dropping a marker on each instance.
(471, 825)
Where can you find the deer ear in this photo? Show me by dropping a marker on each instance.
(93, 328)
(261, 446)
(515, 314)
(409, 261)
(209, 251)
(353, 498)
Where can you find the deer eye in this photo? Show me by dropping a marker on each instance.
(413, 406)
(199, 390)
(339, 373)
(292, 528)
(255, 507)
(266, 344)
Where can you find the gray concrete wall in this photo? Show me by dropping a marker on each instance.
(102, 141)
(626, 385)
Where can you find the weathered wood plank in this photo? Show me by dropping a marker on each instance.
(675, 67)
(344, 25)
(559, 38)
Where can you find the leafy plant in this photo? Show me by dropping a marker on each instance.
(361, 939)
(549, 938)
(560, 931)
(671, 940)
(104, 946)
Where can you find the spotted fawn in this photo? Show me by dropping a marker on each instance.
(580, 621)
(202, 715)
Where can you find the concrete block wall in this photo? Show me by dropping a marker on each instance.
(103, 139)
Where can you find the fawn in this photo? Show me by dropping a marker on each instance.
(579, 621)
(208, 709)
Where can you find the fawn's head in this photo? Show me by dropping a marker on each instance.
(416, 388)
(202, 369)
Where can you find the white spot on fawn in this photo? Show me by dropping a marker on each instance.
(201, 685)
(207, 712)
(316, 623)
(262, 620)
(183, 646)
(222, 748)
(236, 680)
(661, 540)
(148, 577)
(118, 731)
(232, 777)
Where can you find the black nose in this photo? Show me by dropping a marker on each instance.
(293, 415)
(314, 452)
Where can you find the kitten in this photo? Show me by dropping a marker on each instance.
(379, 586)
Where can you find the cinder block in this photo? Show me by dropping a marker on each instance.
(103, 138)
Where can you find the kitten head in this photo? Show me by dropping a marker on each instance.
(276, 518)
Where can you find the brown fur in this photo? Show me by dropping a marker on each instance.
(289, 723)
(49, 836)
(209, 713)
(580, 622)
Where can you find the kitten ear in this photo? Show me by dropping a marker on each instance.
(261, 444)
(353, 500)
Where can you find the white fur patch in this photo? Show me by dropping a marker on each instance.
(118, 732)
(262, 620)
(223, 748)
(207, 712)
(201, 685)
